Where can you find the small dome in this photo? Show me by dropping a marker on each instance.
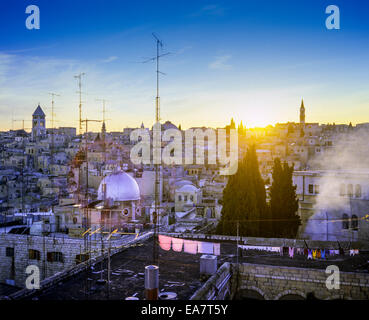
(187, 188)
(120, 186)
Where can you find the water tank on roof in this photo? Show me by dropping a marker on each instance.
(208, 264)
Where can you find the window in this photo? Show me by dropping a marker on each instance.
(350, 191)
(185, 198)
(345, 221)
(179, 198)
(354, 223)
(9, 252)
(82, 258)
(311, 188)
(54, 257)
(358, 191)
(342, 189)
(34, 254)
(75, 220)
(191, 198)
(316, 188)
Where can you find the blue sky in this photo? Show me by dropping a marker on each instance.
(251, 60)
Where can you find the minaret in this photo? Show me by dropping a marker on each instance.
(302, 113)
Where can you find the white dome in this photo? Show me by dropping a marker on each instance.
(187, 188)
(120, 186)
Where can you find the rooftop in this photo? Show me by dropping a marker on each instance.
(179, 272)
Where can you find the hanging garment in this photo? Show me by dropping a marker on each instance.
(285, 251)
(177, 244)
(165, 242)
(306, 251)
(356, 251)
(217, 249)
(205, 247)
(318, 254)
(291, 252)
(190, 246)
(336, 252)
(341, 252)
(310, 256)
(323, 253)
(314, 254)
(274, 249)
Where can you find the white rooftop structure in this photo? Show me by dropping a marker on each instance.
(120, 186)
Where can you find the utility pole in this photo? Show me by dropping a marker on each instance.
(87, 238)
(79, 77)
(53, 95)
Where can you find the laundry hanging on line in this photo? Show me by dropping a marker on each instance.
(190, 246)
(165, 242)
(205, 247)
(177, 244)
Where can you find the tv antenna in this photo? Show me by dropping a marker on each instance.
(53, 95)
(159, 45)
(79, 77)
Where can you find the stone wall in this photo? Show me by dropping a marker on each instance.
(276, 282)
(14, 268)
(218, 287)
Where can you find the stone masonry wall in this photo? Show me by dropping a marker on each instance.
(274, 282)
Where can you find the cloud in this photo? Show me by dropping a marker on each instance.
(109, 59)
(220, 63)
(211, 10)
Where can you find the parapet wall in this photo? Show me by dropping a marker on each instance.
(15, 268)
(276, 282)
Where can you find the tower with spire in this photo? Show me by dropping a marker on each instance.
(38, 123)
(302, 113)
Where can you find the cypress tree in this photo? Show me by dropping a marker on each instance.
(283, 201)
(244, 199)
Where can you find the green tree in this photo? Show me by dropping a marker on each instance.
(283, 201)
(244, 199)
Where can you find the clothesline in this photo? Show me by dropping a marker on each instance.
(290, 251)
(188, 246)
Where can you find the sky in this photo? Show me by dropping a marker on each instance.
(250, 60)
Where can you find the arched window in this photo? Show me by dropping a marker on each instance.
(34, 254)
(350, 191)
(358, 191)
(342, 189)
(354, 223)
(345, 221)
(179, 198)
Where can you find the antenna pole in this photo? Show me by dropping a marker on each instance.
(53, 95)
(79, 77)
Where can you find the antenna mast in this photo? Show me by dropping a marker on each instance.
(79, 77)
(53, 95)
